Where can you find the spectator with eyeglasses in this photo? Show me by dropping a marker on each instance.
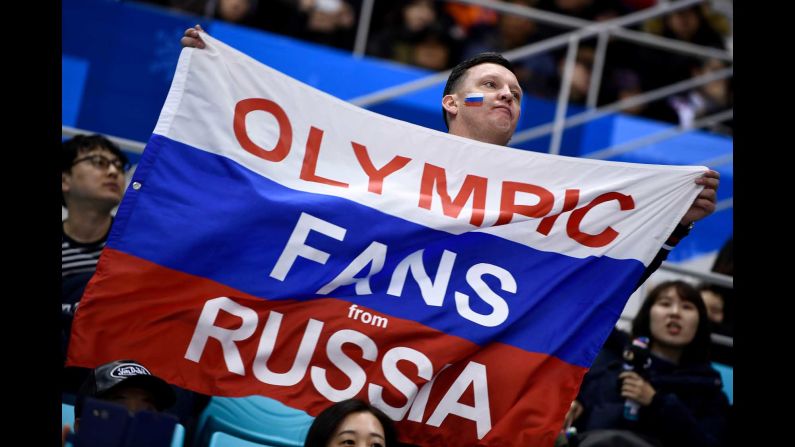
(92, 184)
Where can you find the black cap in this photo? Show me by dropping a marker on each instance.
(130, 373)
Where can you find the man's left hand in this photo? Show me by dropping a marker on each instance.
(705, 203)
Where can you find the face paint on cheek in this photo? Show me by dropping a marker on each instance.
(473, 99)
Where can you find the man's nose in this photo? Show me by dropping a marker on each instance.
(113, 169)
(505, 94)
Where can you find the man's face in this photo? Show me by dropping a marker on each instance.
(95, 178)
(495, 120)
(133, 398)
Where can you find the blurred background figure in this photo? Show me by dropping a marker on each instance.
(328, 22)
(416, 32)
(714, 303)
(659, 68)
(724, 264)
(538, 74)
(583, 9)
(242, 12)
(685, 108)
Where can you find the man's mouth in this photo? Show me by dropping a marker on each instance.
(506, 109)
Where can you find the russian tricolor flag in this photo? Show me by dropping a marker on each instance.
(274, 245)
(474, 99)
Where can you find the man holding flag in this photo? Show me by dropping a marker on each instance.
(285, 249)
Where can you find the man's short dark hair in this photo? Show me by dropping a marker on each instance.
(72, 148)
(459, 70)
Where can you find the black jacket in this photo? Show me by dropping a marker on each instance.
(688, 409)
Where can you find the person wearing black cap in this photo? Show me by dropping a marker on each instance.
(128, 383)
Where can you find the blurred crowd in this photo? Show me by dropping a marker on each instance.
(436, 35)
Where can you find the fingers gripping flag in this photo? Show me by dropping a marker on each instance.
(283, 242)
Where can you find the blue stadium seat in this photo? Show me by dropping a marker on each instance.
(255, 419)
(179, 436)
(727, 376)
(67, 415)
(221, 439)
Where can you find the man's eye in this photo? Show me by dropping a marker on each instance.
(489, 84)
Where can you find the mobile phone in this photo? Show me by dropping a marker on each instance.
(102, 423)
(107, 424)
(149, 429)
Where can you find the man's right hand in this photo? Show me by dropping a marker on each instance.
(191, 38)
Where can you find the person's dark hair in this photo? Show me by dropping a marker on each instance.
(698, 349)
(327, 422)
(710, 287)
(705, 34)
(72, 148)
(724, 263)
(460, 70)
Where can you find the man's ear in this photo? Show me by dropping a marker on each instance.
(450, 104)
(66, 180)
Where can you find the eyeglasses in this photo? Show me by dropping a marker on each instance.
(100, 162)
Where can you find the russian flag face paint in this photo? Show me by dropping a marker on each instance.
(474, 99)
